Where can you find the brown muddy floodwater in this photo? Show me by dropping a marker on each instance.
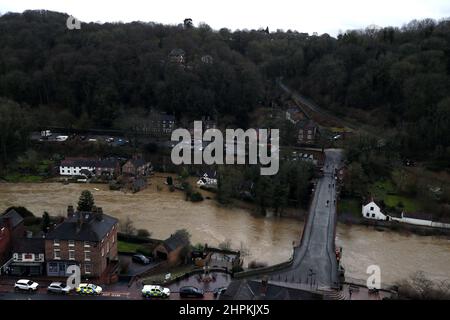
(163, 212)
(266, 239)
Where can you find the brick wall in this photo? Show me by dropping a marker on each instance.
(99, 252)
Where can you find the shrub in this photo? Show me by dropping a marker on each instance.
(196, 197)
(143, 233)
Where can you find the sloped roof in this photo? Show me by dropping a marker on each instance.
(91, 228)
(175, 241)
(15, 217)
(87, 162)
(29, 245)
(251, 290)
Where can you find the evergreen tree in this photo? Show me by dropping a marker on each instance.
(86, 201)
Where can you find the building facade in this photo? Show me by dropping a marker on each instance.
(85, 239)
(28, 257)
(79, 166)
(372, 211)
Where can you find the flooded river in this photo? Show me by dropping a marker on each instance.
(266, 239)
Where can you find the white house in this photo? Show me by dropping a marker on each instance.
(207, 181)
(372, 211)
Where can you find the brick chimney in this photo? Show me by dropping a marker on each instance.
(70, 211)
(80, 220)
(264, 286)
(99, 214)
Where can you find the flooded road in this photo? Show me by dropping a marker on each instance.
(267, 239)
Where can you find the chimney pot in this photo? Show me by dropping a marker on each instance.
(70, 211)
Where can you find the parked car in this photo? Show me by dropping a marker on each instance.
(150, 291)
(26, 285)
(191, 292)
(58, 287)
(89, 288)
(140, 258)
(219, 291)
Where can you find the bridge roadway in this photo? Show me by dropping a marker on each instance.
(314, 263)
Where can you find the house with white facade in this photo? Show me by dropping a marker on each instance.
(81, 166)
(372, 211)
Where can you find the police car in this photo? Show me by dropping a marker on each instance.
(88, 288)
(152, 291)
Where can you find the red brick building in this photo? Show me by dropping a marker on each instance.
(86, 239)
(11, 229)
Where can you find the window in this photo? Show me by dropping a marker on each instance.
(52, 267)
(56, 242)
(107, 247)
(373, 215)
(71, 243)
(367, 215)
(87, 268)
(113, 239)
(71, 254)
(103, 252)
(371, 208)
(57, 254)
(86, 244)
(87, 256)
(18, 256)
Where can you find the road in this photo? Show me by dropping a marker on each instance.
(314, 262)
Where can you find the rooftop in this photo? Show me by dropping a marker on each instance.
(83, 226)
(15, 217)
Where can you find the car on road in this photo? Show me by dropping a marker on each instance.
(89, 288)
(140, 258)
(154, 291)
(218, 291)
(191, 292)
(26, 285)
(58, 287)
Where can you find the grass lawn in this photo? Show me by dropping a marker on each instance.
(129, 247)
(174, 272)
(385, 190)
(409, 204)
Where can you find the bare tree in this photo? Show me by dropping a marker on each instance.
(127, 227)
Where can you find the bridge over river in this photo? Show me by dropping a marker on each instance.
(314, 264)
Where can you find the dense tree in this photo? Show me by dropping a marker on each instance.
(86, 201)
(397, 78)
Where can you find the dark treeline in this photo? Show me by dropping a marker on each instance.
(398, 78)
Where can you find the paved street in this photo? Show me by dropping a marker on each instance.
(315, 260)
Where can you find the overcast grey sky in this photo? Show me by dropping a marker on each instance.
(310, 16)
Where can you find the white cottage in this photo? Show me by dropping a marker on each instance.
(372, 211)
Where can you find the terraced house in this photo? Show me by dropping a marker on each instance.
(86, 239)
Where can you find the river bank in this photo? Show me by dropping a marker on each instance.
(267, 239)
(351, 219)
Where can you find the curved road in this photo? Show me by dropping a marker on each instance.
(314, 262)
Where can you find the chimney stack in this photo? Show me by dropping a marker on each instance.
(70, 211)
(80, 219)
(264, 286)
(99, 214)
